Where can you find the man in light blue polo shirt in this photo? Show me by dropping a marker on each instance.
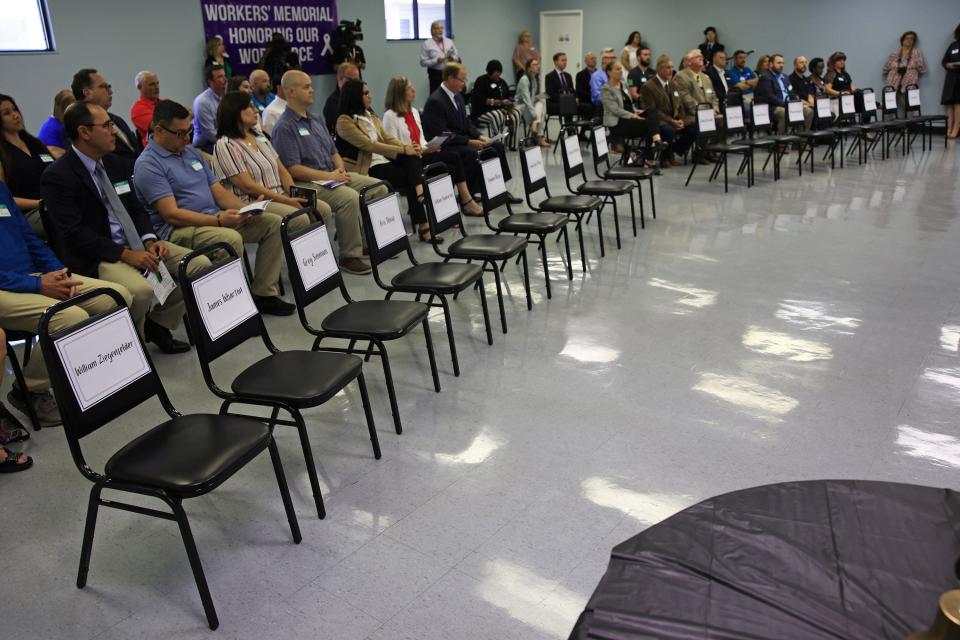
(741, 76)
(205, 108)
(189, 206)
(599, 77)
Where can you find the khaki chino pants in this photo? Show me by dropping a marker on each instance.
(345, 204)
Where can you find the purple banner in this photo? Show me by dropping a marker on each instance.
(247, 27)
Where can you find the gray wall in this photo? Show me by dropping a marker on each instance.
(121, 37)
(866, 30)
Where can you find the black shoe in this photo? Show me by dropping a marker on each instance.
(274, 306)
(514, 199)
(161, 336)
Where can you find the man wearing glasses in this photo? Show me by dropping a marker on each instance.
(102, 230)
(89, 85)
(189, 207)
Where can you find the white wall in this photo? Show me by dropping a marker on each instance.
(121, 37)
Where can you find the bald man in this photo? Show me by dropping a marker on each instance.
(260, 86)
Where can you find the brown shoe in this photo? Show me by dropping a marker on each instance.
(356, 266)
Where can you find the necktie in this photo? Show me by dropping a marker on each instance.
(563, 83)
(666, 90)
(117, 209)
(460, 109)
(699, 81)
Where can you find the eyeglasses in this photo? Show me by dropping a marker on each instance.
(182, 133)
(109, 125)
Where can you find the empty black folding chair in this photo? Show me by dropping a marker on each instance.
(494, 194)
(443, 214)
(603, 170)
(314, 273)
(707, 133)
(387, 237)
(100, 370)
(925, 123)
(816, 136)
(761, 142)
(535, 179)
(221, 315)
(763, 135)
(847, 127)
(881, 131)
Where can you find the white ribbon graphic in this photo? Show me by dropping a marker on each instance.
(326, 45)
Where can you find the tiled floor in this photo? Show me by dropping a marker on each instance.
(804, 329)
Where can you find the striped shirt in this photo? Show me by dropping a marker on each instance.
(230, 157)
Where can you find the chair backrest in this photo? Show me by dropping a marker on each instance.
(823, 113)
(567, 104)
(49, 229)
(572, 156)
(599, 146)
(869, 101)
(443, 210)
(534, 170)
(493, 188)
(220, 307)
(311, 263)
(889, 100)
(733, 117)
(706, 120)
(99, 369)
(383, 225)
(794, 113)
(848, 106)
(913, 98)
(761, 116)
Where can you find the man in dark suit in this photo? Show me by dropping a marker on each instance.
(89, 85)
(716, 70)
(657, 93)
(446, 113)
(101, 230)
(773, 88)
(558, 82)
(584, 96)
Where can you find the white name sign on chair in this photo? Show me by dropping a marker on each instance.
(706, 120)
(761, 115)
(224, 299)
(493, 177)
(600, 138)
(534, 160)
(823, 108)
(795, 112)
(444, 198)
(102, 358)
(848, 104)
(869, 102)
(735, 117)
(835, 106)
(913, 97)
(571, 146)
(387, 220)
(314, 255)
(890, 100)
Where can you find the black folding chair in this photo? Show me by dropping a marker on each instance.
(568, 112)
(707, 133)
(884, 132)
(443, 214)
(607, 190)
(387, 237)
(761, 143)
(847, 127)
(763, 135)
(221, 315)
(494, 194)
(926, 123)
(814, 137)
(535, 179)
(100, 370)
(314, 273)
(27, 339)
(603, 170)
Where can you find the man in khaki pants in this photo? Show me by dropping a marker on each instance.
(101, 229)
(32, 279)
(190, 207)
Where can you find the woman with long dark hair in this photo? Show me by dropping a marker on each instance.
(23, 159)
(628, 55)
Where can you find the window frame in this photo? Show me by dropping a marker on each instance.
(44, 12)
(417, 37)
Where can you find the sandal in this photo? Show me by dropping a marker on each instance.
(476, 214)
(10, 465)
(11, 429)
(422, 234)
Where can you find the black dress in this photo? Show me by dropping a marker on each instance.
(23, 175)
(951, 82)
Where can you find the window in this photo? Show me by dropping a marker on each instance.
(25, 27)
(411, 19)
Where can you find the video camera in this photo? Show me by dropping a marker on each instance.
(344, 40)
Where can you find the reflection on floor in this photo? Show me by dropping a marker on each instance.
(803, 329)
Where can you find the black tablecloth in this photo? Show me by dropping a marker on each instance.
(822, 559)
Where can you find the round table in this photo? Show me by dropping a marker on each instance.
(838, 559)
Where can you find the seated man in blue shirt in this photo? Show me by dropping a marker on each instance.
(260, 89)
(205, 108)
(599, 77)
(32, 279)
(742, 77)
(189, 206)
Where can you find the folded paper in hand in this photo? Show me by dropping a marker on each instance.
(329, 184)
(255, 208)
(497, 138)
(437, 141)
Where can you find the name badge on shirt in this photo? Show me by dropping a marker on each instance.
(46, 157)
(709, 90)
(303, 131)
(4, 212)
(676, 94)
(955, 52)
(122, 187)
(197, 165)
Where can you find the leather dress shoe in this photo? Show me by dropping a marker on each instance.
(161, 336)
(514, 199)
(273, 306)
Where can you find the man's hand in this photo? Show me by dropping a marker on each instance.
(58, 285)
(476, 144)
(159, 248)
(678, 125)
(232, 218)
(141, 260)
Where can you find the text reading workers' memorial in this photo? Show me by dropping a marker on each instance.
(247, 26)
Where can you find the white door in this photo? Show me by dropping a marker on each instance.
(561, 31)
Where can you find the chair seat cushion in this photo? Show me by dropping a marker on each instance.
(576, 204)
(442, 277)
(606, 187)
(786, 139)
(621, 172)
(758, 142)
(823, 134)
(487, 246)
(301, 378)
(533, 222)
(855, 129)
(190, 455)
(727, 148)
(386, 319)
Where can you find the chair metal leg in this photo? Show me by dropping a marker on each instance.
(391, 391)
(496, 280)
(526, 279)
(603, 252)
(693, 167)
(308, 459)
(371, 426)
(546, 267)
(486, 312)
(633, 215)
(430, 355)
(450, 339)
(369, 352)
(725, 184)
(616, 218)
(284, 491)
(21, 381)
(93, 507)
(195, 564)
(583, 251)
(653, 203)
(566, 244)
